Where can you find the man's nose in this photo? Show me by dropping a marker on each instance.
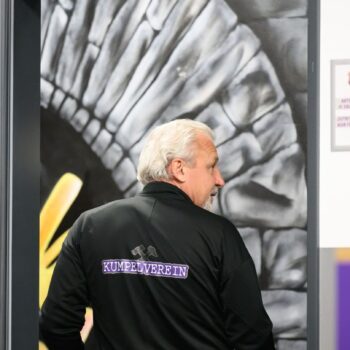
(219, 181)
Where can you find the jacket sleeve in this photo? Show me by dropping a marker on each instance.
(247, 324)
(63, 312)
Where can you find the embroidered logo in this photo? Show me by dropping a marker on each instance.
(142, 266)
(147, 268)
(143, 253)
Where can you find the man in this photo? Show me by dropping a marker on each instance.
(160, 271)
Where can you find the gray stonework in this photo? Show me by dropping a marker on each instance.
(57, 99)
(216, 118)
(286, 41)
(104, 14)
(116, 40)
(68, 108)
(284, 257)
(250, 10)
(114, 69)
(252, 240)
(112, 156)
(271, 194)
(74, 41)
(91, 131)
(46, 11)
(287, 310)
(158, 11)
(46, 90)
(291, 345)
(53, 42)
(80, 120)
(126, 166)
(101, 143)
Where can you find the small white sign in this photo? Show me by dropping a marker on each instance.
(340, 105)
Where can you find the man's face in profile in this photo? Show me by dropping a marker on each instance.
(203, 177)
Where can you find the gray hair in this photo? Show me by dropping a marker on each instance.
(165, 143)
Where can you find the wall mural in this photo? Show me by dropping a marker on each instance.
(111, 70)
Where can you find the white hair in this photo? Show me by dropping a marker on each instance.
(166, 142)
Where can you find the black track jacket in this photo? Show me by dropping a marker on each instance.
(160, 274)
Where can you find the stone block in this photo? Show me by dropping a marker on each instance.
(285, 42)
(241, 152)
(105, 11)
(252, 241)
(285, 344)
(74, 43)
(117, 38)
(91, 131)
(67, 4)
(215, 117)
(123, 71)
(112, 156)
(46, 12)
(268, 135)
(125, 174)
(158, 11)
(83, 71)
(46, 90)
(254, 92)
(80, 120)
(249, 10)
(271, 194)
(68, 108)
(57, 99)
(285, 258)
(101, 142)
(276, 130)
(287, 310)
(135, 151)
(52, 47)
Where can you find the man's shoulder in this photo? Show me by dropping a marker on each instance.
(211, 220)
(110, 208)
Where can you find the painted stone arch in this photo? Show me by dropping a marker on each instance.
(115, 69)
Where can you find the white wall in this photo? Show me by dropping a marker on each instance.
(334, 166)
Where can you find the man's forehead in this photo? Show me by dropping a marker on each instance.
(206, 144)
(205, 141)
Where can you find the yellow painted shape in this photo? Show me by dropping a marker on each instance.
(343, 254)
(42, 346)
(52, 252)
(55, 208)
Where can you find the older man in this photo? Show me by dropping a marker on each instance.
(160, 271)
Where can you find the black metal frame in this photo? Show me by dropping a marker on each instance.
(5, 173)
(19, 173)
(313, 175)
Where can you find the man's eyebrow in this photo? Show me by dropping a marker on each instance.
(216, 160)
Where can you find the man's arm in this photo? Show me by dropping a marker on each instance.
(62, 314)
(247, 324)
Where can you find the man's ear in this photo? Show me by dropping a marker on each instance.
(176, 170)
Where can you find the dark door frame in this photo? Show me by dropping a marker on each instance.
(19, 173)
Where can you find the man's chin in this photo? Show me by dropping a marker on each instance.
(208, 205)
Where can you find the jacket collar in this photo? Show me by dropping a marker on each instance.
(164, 187)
